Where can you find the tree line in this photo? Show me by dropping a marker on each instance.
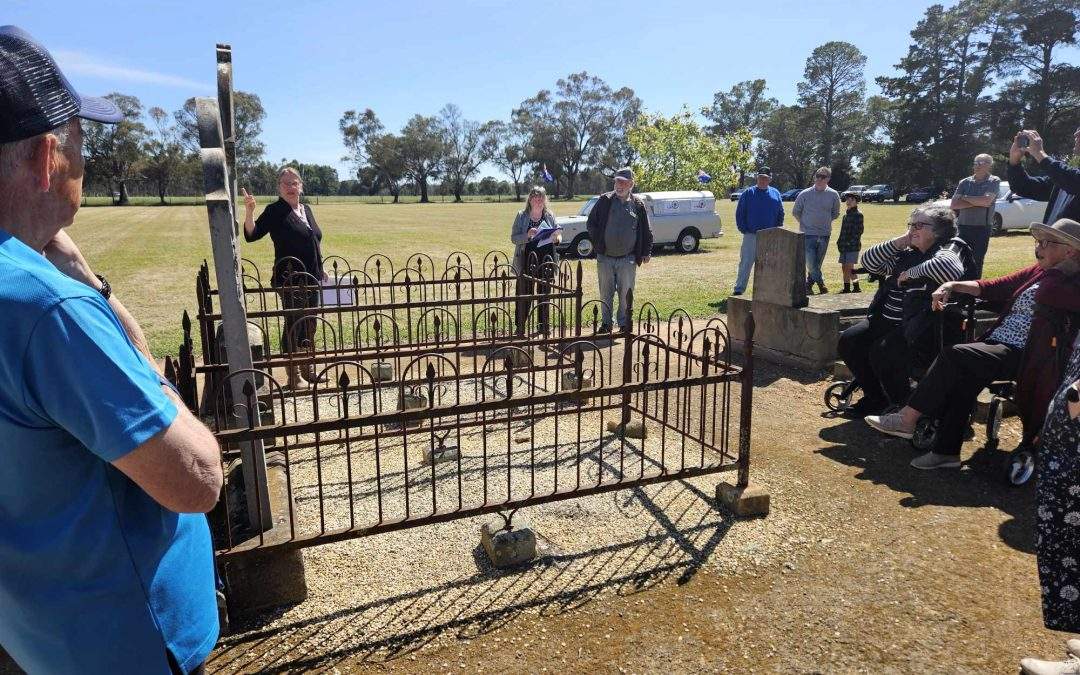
(974, 74)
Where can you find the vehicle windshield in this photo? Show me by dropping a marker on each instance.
(1003, 190)
(587, 207)
(879, 187)
(856, 187)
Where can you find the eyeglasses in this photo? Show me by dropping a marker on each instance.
(916, 225)
(1044, 243)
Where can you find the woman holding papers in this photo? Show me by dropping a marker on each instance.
(298, 265)
(534, 235)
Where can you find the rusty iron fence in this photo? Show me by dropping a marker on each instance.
(433, 402)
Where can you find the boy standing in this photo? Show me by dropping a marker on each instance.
(850, 242)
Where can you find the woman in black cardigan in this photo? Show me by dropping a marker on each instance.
(297, 237)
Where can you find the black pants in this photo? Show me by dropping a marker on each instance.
(880, 359)
(952, 385)
(978, 238)
(298, 329)
(544, 270)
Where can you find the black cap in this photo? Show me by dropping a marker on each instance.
(626, 173)
(765, 171)
(35, 97)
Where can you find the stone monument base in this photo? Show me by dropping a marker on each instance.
(506, 548)
(803, 337)
(751, 501)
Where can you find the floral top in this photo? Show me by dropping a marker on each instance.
(1015, 327)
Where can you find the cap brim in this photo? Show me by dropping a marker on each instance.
(99, 109)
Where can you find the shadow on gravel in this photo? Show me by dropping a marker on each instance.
(687, 530)
(980, 482)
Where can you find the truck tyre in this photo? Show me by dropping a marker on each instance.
(582, 246)
(688, 241)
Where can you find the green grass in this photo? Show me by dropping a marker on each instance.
(145, 200)
(150, 253)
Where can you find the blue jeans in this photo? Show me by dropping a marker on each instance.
(746, 260)
(615, 274)
(816, 248)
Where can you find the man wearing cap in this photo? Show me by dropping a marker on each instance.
(106, 564)
(1059, 188)
(815, 209)
(759, 208)
(974, 202)
(619, 228)
(1024, 344)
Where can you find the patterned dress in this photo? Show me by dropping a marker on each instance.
(1058, 518)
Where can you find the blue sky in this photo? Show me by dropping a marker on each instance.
(310, 61)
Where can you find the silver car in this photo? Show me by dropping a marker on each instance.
(680, 219)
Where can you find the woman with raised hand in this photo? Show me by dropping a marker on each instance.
(297, 237)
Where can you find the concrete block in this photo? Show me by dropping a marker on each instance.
(508, 548)
(521, 359)
(801, 337)
(780, 268)
(410, 401)
(382, 371)
(446, 453)
(746, 502)
(570, 381)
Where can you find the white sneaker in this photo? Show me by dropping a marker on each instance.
(1073, 647)
(890, 423)
(1031, 666)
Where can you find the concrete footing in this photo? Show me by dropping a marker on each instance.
(802, 337)
(441, 454)
(751, 501)
(632, 429)
(506, 548)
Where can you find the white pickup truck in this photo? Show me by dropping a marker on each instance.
(679, 219)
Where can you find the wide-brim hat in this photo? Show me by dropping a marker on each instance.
(35, 97)
(1064, 231)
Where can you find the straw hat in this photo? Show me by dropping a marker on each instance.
(1064, 231)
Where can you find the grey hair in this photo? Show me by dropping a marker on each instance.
(983, 158)
(13, 155)
(942, 219)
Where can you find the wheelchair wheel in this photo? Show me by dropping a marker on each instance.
(993, 423)
(838, 396)
(1021, 466)
(925, 434)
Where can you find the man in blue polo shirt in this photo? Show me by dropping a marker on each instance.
(759, 208)
(106, 564)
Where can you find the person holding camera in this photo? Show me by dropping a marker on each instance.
(1058, 188)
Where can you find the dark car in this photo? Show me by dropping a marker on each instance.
(920, 195)
(790, 195)
(879, 193)
(736, 193)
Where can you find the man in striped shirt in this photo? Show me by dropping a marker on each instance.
(880, 349)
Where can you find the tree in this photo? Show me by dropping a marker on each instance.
(832, 94)
(582, 125)
(671, 151)
(248, 116)
(164, 153)
(511, 151)
(423, 152)
(744, 106)
(375, 155)
(467, 144)
(788, 146)
(114, 151)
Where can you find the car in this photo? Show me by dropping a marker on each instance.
(736, 193)
(1011, 211)
(855, 190)
(920, 195)
(790, 195)
(878, 193)
(680, 219)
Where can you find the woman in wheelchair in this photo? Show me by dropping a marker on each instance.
(1024, 345)
(899, 331)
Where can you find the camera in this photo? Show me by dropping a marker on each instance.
(1024, 141)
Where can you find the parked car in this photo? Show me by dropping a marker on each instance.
(1011, 211)
(920, 195)
(855, 190)
(790, 195)
(736, 193)
(679, 219)
(878, 193)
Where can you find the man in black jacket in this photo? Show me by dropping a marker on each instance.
(1059, 188)
(619, 228)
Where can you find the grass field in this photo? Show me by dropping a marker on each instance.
(150, 253)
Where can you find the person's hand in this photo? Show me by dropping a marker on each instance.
(1035, 146)
(62, 252)
(646, 259)
(249, 201)
(557, 238)
(1016, 153)
(941, 296)
(531, 232)
(903, 277)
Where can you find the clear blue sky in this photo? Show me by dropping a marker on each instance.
(310, 61)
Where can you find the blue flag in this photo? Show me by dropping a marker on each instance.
(545, 174)
(702, 176)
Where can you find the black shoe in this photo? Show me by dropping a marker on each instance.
(862, 408)
(604, 329)
(847, 288)
(736, 292)
(809, 287)
(822, 288)
(856, 289)
(624, 329)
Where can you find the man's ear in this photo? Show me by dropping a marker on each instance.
(44, 160)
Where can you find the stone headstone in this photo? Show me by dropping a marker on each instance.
(779, 268)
